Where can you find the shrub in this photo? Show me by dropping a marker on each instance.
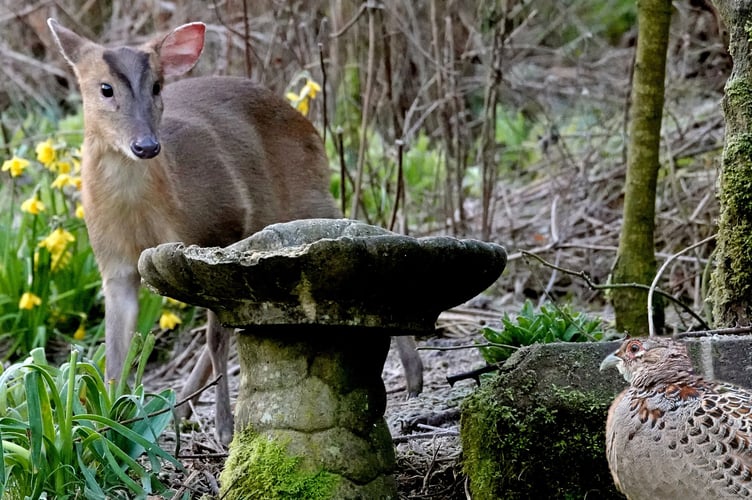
(548, 324)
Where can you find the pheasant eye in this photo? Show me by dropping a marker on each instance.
(634, 347)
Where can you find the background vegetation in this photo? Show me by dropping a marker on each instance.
(499, 120)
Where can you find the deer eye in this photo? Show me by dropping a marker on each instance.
(106, 90)
(157, 88)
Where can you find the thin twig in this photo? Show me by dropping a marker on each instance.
(466, 346)
(246, 41)
(398, 196)
(366, 110)
(324, 92)
(339, 139)
(654, 284)
(199, 456)
(351, 22)
(594, 286)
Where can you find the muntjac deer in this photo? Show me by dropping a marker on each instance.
(204, 161)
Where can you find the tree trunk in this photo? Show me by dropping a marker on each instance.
(635, 261)
(731, 284)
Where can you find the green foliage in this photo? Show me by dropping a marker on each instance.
(549, 324)
(515, 133)
(607, 19)
(66, 433)
(422, 166)
(49, 281)
(259, 467)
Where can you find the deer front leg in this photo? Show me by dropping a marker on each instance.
(121, 313)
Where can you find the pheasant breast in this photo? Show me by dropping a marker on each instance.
(673, 434)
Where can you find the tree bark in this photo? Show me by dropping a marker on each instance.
(731, 283)
(635, 261)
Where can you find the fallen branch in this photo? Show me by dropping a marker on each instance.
(737, 330)
(424, 435)
(473, 374)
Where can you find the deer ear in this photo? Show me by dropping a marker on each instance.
(70, 44)
(179, 51)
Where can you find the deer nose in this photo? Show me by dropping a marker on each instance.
(145, 147)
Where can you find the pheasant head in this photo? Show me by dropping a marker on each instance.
(649, 361)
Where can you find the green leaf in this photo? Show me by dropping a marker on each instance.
(36, 424)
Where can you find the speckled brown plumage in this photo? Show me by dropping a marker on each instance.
(673, 434)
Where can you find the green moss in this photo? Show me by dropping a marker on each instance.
(540, 444)
(732, 276)
(259, 467)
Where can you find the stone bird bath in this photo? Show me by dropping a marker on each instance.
(316, 302)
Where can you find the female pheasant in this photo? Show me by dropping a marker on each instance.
(673, 434)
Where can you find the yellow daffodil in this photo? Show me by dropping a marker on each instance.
(299, 102)
(33, 206)
(80, 332)
(15, 166)
(168, 320)
(46, 153)
(76, 164)
(62, 180)
(310, 89)
(63, 167)
(302, 101)
(29, 301)
(57, 240)
(303, 106)
(292, 97)
(56, 243)
(79, 211)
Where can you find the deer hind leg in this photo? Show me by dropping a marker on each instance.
(213, 359)
(411, 364)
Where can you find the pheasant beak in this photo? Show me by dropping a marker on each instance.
(612, 360)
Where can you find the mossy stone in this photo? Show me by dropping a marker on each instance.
(260, 467)
(524, 436)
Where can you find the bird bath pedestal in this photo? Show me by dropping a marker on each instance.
(317, 301)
